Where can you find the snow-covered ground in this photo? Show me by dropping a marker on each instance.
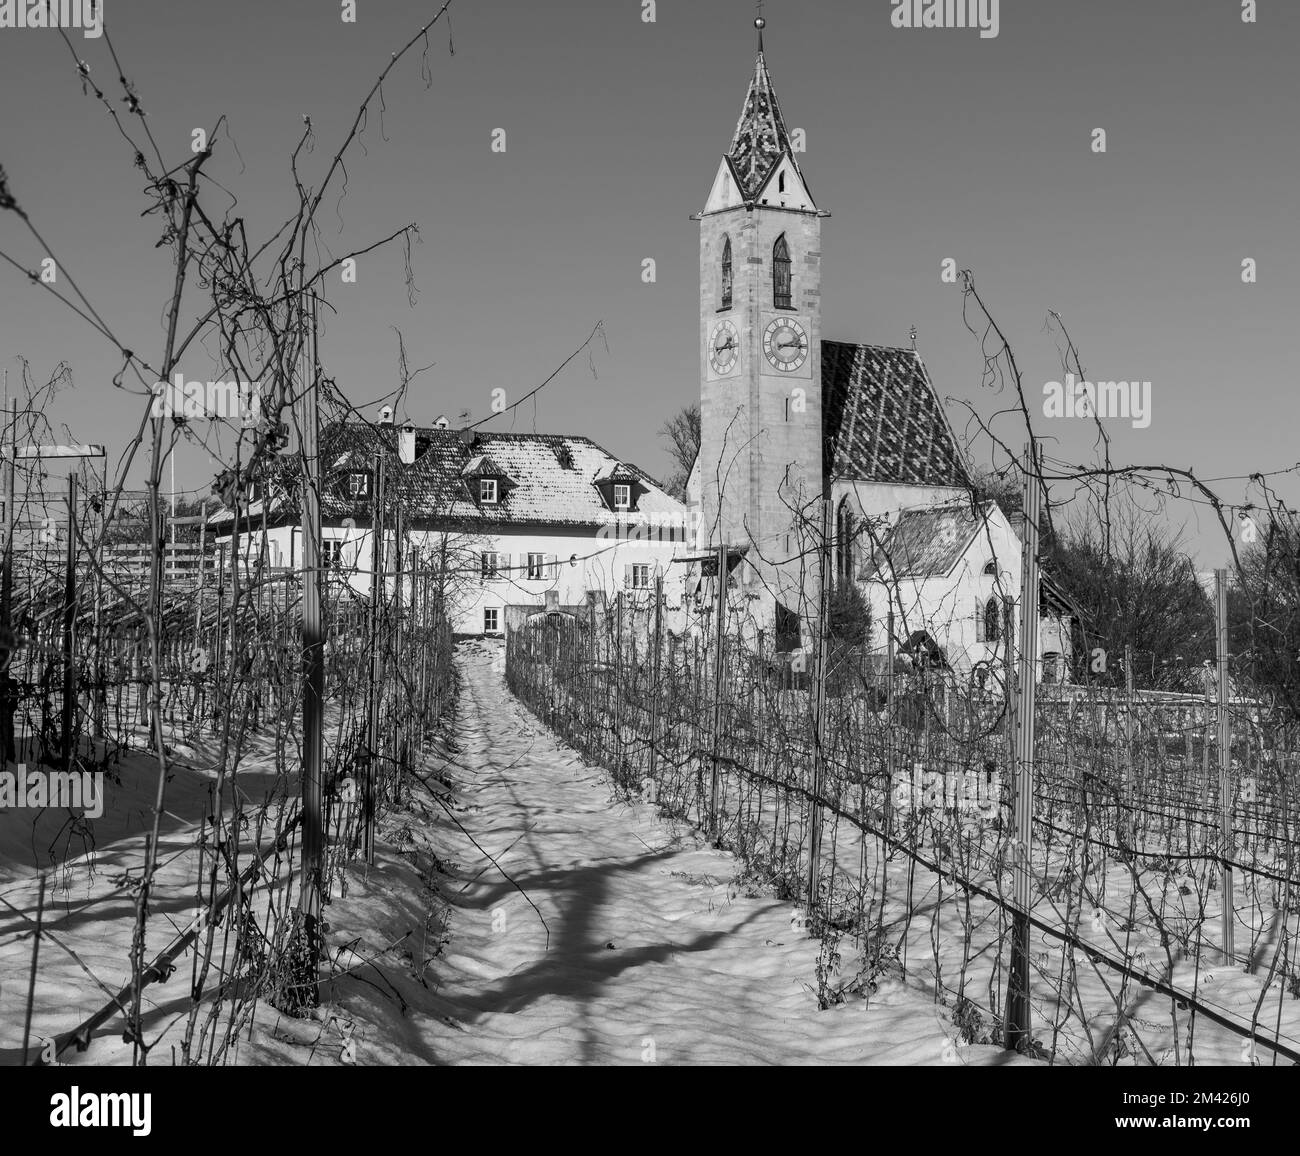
(548, 923)
(597, 934)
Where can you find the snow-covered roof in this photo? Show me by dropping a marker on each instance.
(554, 479)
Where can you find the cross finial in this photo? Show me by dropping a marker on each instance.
(760, 24)
(913, 337)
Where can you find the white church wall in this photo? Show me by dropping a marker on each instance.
(950, 607)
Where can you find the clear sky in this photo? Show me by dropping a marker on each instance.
(923, 144)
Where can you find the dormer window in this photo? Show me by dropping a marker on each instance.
(619, 487)
(358, 484)
(486, 482)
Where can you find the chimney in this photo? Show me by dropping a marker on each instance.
(552, 602)
(406, 443)
(442, 422)
(386, 415)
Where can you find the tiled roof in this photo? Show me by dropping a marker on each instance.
(761, 136)
(883, 421)
(925, 543)
(433, 488)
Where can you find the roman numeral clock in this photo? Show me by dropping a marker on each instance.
(785, 344)
(724, 348)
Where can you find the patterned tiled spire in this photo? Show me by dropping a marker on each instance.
(761, 137)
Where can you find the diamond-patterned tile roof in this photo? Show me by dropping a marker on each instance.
(883, 421)
(761, 136)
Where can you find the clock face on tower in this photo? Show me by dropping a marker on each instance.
(724, 347)
(785, 344)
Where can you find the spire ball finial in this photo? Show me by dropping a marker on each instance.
(760, 23)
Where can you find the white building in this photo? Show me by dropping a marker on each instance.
(496, 519)
(950, 575)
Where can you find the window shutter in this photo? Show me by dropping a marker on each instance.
(979, 621)
(552, 568)
(627, 576)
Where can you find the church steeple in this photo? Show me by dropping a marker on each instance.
(760, 165)
(761, 136)
(760, 460)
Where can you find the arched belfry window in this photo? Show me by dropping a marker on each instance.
(726, 273)
(781, 274)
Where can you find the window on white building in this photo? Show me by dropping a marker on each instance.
(487, 491)
(491, 560)
(992, 620)
(536, 567)
(331, 552)
(638, 576)
(622, 496)
(491, 620)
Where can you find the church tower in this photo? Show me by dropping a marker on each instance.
(760, 465)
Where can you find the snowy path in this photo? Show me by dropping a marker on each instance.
(651, 954)
(648, 953)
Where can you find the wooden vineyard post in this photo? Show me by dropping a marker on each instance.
(68, 721)
(717, 687)
(819, 721)
(219, 641)
(620, 690)
(99, 704)
(8, 685)
(396, 634)
(1017, 1022)
(889, 719)
(654, 683)
(313, 665)
(372, 700)
(1225, 755)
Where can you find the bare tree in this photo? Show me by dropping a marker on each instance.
(1136, 586)
(1264, 614)
(683, 433)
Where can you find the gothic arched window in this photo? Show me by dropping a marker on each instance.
(726, 273)
(844, 539)
(781, 293)
(992, 620)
